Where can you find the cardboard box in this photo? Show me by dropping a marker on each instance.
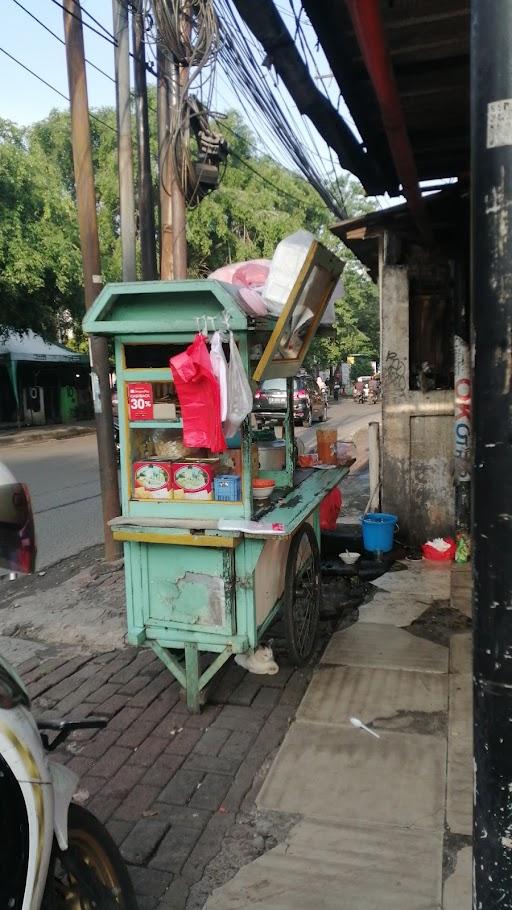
(152, 480)
(194, 479)
(164, 410)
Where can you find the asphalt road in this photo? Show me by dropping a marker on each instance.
(63, 479)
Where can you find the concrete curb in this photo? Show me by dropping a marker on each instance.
(23, 438)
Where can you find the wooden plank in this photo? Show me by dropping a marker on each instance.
(185, 540)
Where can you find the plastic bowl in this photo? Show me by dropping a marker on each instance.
(349, 558)
(262, 487)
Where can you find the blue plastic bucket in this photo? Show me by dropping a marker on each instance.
(378, 531)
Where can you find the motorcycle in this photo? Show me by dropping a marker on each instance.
(55, 855)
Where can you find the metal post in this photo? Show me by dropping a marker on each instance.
(463, 394)
(145, 185)
(491, 144)
(86, 207)
(374, 465)
(124, 139)
(164, 168)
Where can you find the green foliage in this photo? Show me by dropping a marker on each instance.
(39, 252)
(361, 367)
(257, 203)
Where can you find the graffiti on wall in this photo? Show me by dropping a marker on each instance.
(395, 373)
(462, 425)
(463, 429)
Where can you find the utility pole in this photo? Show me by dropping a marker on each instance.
(145, 186)
(164, 167)
(179, 85)
(86, 207)
(124, 139)
(179, 208)
(491, 151)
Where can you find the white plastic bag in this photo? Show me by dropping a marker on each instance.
(220, 371)
(239, 391)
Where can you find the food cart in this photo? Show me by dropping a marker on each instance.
(208, 565)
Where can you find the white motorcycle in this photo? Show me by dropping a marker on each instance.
(55, 855)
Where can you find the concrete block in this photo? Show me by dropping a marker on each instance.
(459, 790)
(391, 608)
(461, 653)
(376, 645)
(338, 693)
(457, 887)
(330, 773)
(340, 868)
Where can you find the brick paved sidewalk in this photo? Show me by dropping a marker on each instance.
(167, 784)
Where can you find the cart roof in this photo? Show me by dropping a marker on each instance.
(163, 307)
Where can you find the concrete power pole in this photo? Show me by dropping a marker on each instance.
(124, 139)
(87, 222)
(164, 168)
(178, 201)
(145, 185)
(491, 256)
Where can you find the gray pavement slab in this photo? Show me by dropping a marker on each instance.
(337, 774)
(341, 868)
(379, 645)
(457, 887)
(459, 788)
(394, 609)
(462, 588)
(420, 578)
(338, 693)
(461, 653)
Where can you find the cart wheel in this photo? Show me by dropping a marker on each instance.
(302, 592)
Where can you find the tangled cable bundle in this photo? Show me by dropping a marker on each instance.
(188, 31)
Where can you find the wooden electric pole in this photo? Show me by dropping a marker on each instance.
(491, 256)
(145, 185)
(87, 222)
(124, 139)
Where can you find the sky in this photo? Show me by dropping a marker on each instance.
(24, 99)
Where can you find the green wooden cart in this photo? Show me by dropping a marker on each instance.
(200, 586)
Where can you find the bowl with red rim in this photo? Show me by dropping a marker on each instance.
(262, 487)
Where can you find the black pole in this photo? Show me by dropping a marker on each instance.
(145, 186)
(491, 144)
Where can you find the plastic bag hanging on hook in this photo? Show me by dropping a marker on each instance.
(199, 396)
(239, 391)
(220, 371)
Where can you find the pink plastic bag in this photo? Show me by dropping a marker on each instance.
(199, 396)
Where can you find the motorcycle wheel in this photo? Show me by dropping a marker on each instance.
(91, 873)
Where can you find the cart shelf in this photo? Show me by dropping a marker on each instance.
(156, 424)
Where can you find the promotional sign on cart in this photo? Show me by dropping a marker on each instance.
(140, 400)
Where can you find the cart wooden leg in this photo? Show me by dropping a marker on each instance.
(192, 677)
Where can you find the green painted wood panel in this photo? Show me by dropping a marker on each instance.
(190, 589)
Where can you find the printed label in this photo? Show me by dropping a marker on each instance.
(140, 400)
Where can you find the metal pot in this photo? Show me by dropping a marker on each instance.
(272, 455)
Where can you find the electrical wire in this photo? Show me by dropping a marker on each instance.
(52, 87)
(266, 179)
(186, 36)
(111, 40)
(85, 12)
(61, 40)
(239, 62)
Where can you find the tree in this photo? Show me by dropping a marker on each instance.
(257, 203)
(40, 271)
